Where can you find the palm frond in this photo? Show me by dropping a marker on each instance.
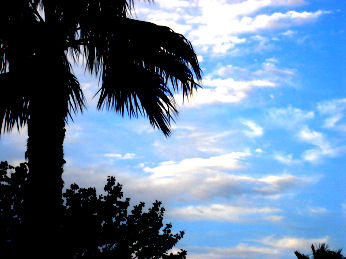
(143, 65)
(13, 105)
(73, 92)
(138, 91)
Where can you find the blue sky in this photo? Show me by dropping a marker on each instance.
(255, 165)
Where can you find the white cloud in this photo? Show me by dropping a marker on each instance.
(318, 210)
(216, 26)
(288, 33)
(173, 4)
(192, 165)
(285, 159)
(208, 142)
(292, 242)
(332, 106)
(331, 121)
(192, 180)
(289, 118)
(271, 248)
(210, 178)
(120, 156)
(241, 250)
(270, 69)
(334, 109)
(223, 212)
(323, 147)
(221, 91)
(274, 218)
(214, 36)
(225, 71)
(256, 130)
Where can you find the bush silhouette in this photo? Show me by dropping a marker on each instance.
(322, 252)
(91, 225)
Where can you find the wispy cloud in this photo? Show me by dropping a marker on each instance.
(334, 109)
(289, 117)
(323, 147)
(292, 242)
(224, 212)
(255, 130)
(286, 159)
(120, 156)
(224, 91)
(203, 21)
(192, 165)
(318, 210)
(241, 250)
(271, 247)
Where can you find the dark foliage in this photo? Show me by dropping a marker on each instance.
(322, 252)
(140, 65)
(91, 225)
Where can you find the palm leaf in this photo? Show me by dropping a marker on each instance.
(143, 64)
(13, 105)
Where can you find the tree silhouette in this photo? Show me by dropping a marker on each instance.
(140, 65)
(322, 252)
(91, 225)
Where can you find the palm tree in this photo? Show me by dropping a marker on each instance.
(139, 65)
(322, 252)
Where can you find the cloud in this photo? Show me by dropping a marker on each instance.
(286, 159)
(224, 91)
(274, 218)
(318, 210)
(217, 38)
(334, 109)
(271, 247)
(208, 142)
(217, 26)
(173, 4)
(241, 250)
(192, 165)
(289, 117)
(332, 106)
(288, 33)
(201, 179)
(223, 212)
(323, 147)
(292, 242)
(192, 180)
(120, 156)
(256, 130)
(271, 71)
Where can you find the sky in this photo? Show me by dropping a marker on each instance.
(255, 165)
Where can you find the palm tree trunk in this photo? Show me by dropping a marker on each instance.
(46, 133)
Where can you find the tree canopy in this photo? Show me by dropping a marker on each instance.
(91, 225)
